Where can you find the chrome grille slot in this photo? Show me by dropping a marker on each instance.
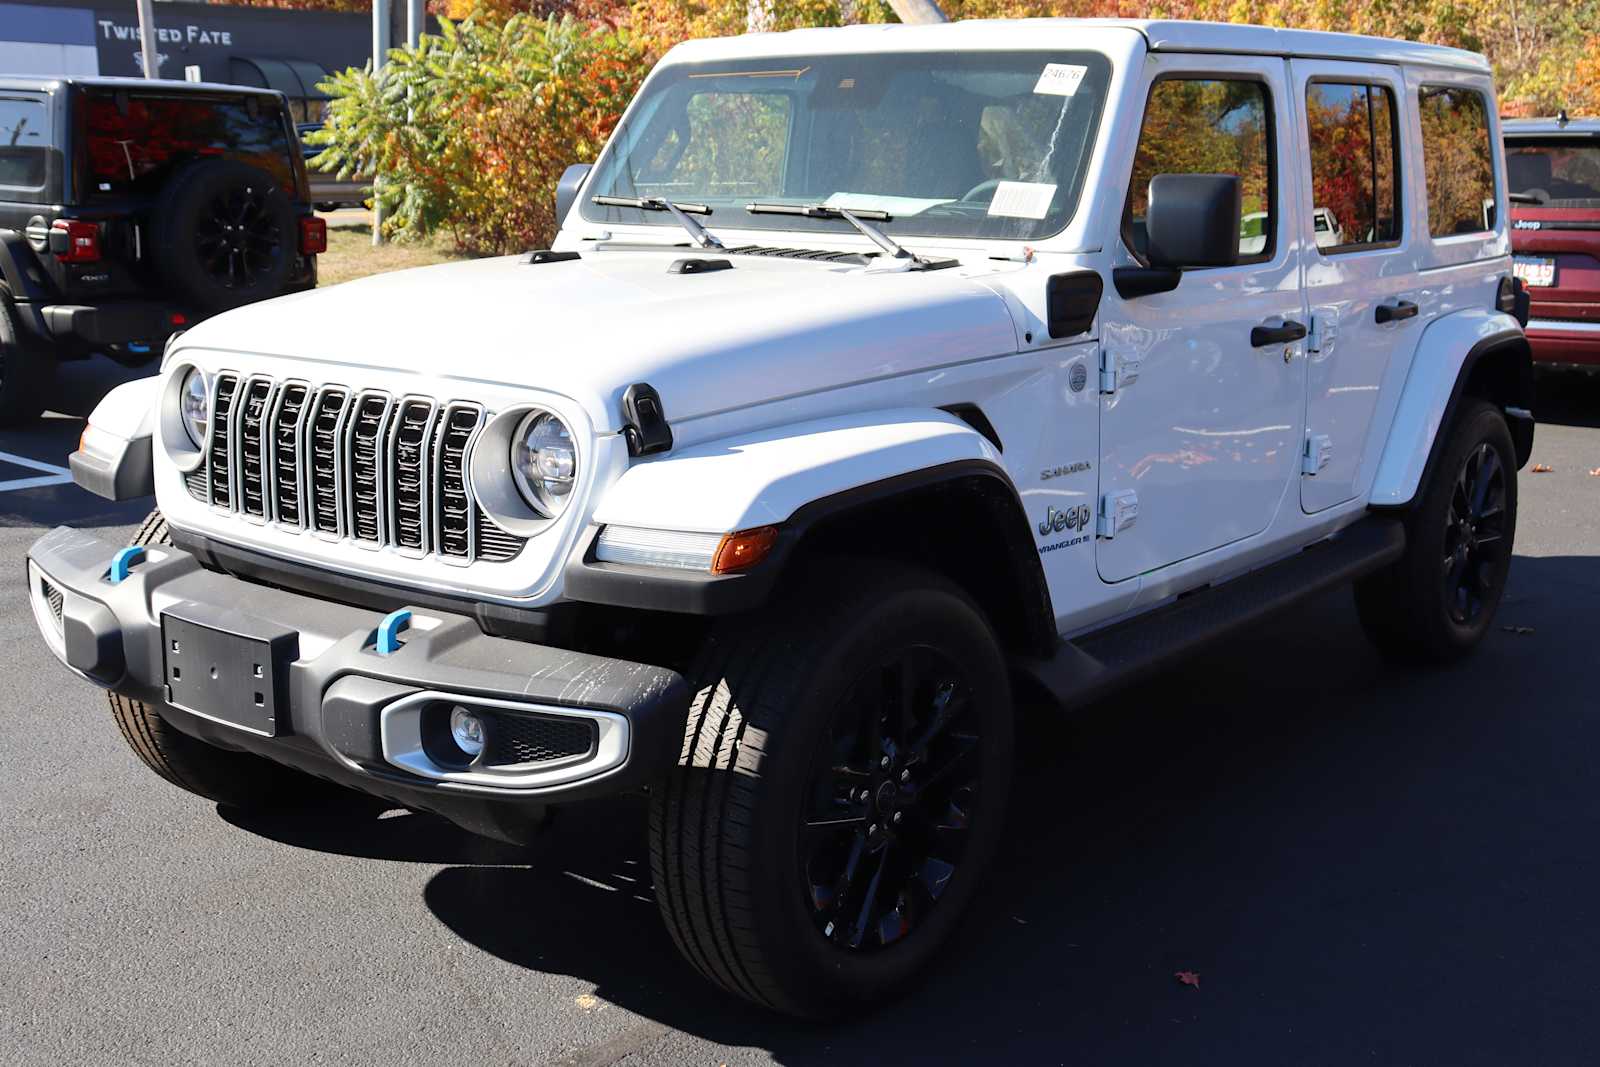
(368, 422)
(411, 440)
(349, 464)
(324, 465)
(219, 454)
(288, 426)
(251, 446)
(457, 510)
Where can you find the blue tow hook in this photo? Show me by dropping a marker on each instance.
(123, 562)
(389, 631)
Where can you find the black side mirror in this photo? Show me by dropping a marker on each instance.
(567, 188)
(1193, 220)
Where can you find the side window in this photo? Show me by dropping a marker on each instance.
(24, 143)
(1456, 160)
(1354, 195)
(1208, 126)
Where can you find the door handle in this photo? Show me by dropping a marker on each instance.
(1261, 336)
(1395, 312)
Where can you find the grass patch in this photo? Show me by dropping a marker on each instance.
(350, 255)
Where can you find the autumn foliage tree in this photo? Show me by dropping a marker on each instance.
(468, 132)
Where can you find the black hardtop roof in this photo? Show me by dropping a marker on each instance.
(44, 83)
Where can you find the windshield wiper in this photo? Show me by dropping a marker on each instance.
(697, 233)
(857, 218)
(1524, 198)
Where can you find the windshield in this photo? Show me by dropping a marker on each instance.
(975, 144)
(1558, 172)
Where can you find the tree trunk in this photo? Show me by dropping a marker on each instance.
(913, 12)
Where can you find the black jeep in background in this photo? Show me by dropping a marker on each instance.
(131, 209)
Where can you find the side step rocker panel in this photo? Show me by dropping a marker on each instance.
(1092, 665)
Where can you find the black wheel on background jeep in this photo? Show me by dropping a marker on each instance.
(25, 372)
(1437, 602)
(225, 234)
(840, 792)
(234, 779)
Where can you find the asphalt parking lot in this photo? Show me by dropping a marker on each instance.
(1363, 864)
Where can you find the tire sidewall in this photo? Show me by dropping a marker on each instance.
(820, 977)
(1480, 424)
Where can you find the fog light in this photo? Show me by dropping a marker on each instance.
(466, 730)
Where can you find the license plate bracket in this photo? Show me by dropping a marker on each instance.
(1536, 272)
(228, 667)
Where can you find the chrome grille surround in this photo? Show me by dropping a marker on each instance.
(357, 466)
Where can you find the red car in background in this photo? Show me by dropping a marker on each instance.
(1553, 169)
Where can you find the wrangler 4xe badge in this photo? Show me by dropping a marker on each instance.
(1058, 519)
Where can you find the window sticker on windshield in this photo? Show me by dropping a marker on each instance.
(1022, 200)
(1060, 79)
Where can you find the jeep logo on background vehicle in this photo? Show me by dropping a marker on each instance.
(1057, 520)
(684, 565)
(1526, 224)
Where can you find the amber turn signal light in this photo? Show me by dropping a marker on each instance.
(744, 549)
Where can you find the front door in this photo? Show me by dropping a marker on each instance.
(1357, 242)
(1199, 423)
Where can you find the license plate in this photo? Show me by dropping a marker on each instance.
(1534, 270)
(228, 668)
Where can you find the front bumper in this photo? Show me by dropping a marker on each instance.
(341, 708)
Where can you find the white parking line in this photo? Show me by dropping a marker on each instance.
(53, 475)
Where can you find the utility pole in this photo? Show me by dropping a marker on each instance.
(416, 21)
(913, 12)
(380, 52)
(147, 40)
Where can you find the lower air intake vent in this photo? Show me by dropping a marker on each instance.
(822, 255)
(517, 739)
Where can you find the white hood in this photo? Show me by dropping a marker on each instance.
(766, 329)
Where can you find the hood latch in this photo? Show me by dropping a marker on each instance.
(644, 424)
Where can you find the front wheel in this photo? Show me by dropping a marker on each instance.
(1438, 601)
(841, 790)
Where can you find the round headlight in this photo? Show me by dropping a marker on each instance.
(544, 462)
(195, 405)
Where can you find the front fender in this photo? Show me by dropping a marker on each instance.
(763, 478)
(1444, 363)
(788, 476)
(114, 459)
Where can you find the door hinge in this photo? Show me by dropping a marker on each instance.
(1118, 512)
(1324, 329)
(1318, 454)
(1117, 371)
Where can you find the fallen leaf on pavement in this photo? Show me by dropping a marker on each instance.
(1517, 629)
(1542, 468)
(1188, 978)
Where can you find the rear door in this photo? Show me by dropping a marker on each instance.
(1201, 426)
(1359, 260)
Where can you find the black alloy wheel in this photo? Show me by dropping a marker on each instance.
(892, 794)
(238, 238)
(1475, 539)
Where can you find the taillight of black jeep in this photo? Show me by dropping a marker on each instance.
(313, 235)
(75, 241)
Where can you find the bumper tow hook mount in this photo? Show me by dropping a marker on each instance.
(123, 562)
(389, 631)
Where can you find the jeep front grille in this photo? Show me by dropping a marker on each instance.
(346, 464)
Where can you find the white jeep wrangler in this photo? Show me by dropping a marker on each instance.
(877, 375)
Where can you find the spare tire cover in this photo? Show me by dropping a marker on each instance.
(224, 234)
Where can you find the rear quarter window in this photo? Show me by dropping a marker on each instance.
(24, 144)
(136, 143)
(1456, 160)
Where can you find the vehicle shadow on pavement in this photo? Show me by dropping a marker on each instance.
(1358, 860)
(1567, 398)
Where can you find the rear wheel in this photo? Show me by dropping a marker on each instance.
(25, 372)
(236, 779)
(840, 793)
(1437, 602)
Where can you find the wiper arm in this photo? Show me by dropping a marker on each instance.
(1524, 198)
(697, 233)
(857, 218)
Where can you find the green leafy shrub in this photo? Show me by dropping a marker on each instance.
(468, 132)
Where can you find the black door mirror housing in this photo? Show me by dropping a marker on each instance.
(567, 188)
(1193, 220)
